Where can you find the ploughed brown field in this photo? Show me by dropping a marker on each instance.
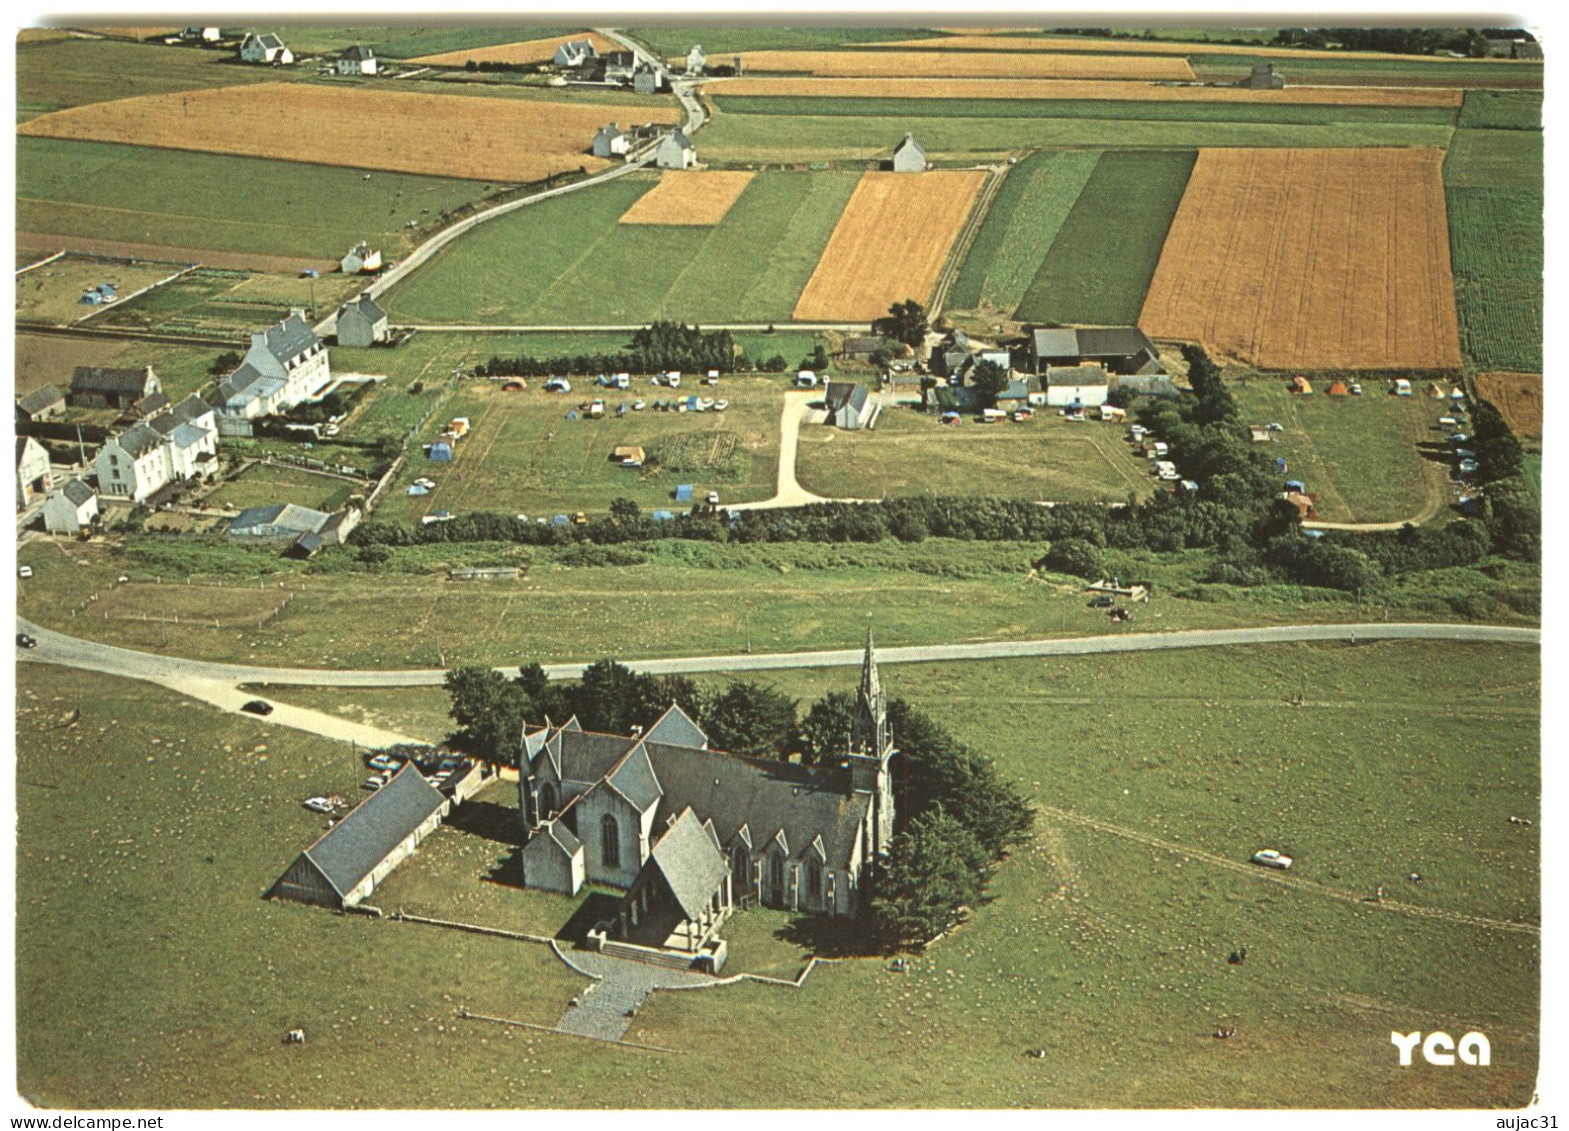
(1079, 89)
(484, 139)
(699, 199)
(1518, 399)
(524, 51)
(1311, 258)
(968, 64)
(890, 244)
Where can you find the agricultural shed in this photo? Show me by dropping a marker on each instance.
(1121, 350)
(862, 348)
(41, 404)
(106, 387)
(357, 853)
(283, 520)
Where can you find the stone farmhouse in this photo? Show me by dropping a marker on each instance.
(609, 142)
(47, 403)
(908, 156)
(647, 79)
(361, 322)
(267, 48)
(357, 60)
(286, 364)
(689, 832)
(675, 152)
(102, 387)
(71, 508)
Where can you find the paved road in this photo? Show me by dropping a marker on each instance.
(58, 648)
(623, 327)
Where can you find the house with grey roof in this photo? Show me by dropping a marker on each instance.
(791, 836)
(574, 53)
(265, 48)
(286, 365)
(675, 152)
(681, 896)
(71, 508)
(850, 405)
(908, 156)
(647, 79)
(351, 858)
(282, 520)
(47, 403)
(33, 473)
(97, 386)
(361, 322)
(609, 142)
(356, 60)
(132, 465)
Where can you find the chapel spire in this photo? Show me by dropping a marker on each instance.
(871, 707)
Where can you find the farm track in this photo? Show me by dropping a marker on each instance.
(1286, 880)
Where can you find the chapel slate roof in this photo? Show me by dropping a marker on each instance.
(676, 728)
(635, 779)
(692, 867)
(355, 845)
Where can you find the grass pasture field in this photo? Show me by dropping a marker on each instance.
(1100, 263)
(49, 360)
(569, 261)
(232, 303)
(61, 73)
(52, 294)
(673, 41)
(484, 139)
(192, 201)
(910, 453)
(890, 244)
(1024, 218)
(264, 485)
(1518, 398)
(1360, 457)
(963, 64)
(1321, 259)
(700, 199)
(1105, 938)
(535, 50)
(1501, 110)
(226, 606)
(1355, 70)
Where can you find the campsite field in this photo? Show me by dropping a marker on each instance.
(191, 201)
(1371, 458)
(51, 295)
(1099, 265)
(700, 199)
(1518, 397)
(484, 139)
(569, 262)
(539, 50)
(963, 64)
(890, 244)
(910, 453)
(1106, 937)
(1018, 229)
(1320, 259)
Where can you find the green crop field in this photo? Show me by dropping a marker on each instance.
(750, 138)
(99, 191)
(1501, 110)
(568, 261)
(1366, 459)
(1357, 71)
(1100, 264)
(410, 42)
(1190, 114)
(1023, 220)
(264, 485)
(717, 41)
(1495, 245)
(61, 73)
(1494, 158)
(910, 453)
(1105, 939)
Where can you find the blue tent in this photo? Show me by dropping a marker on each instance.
(441, 451)
(1296, 485)
(559, 520)
(418, 489)
(691, 404)
(664, 516)
(1281, 465)
(684, 493)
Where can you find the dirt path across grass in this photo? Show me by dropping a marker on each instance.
(159, 253)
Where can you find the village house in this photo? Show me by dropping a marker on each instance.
(595, 807)
(908, 156)
(1086, 386)
(574, 53)
(286, 365)
(267, 48)
(616, 67)
(861, 348)
(647, 79)
(33, 474)
(357, 60)
(149, 406)
(201, 34)
(47, 403)
(1263, 77)
(850, 406)
(675, 152)
(71, 509)
(609, 142)
(190, 432)
(103, 387)
(1120, 350)
(132, 465)
(360, 260)
(696, 60)
(361, 322)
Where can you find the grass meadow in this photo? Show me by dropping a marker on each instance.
(716, 41)
(51, 295)
(1099, 266)
(569, 261)
(264, 486)
(100, 191)
(1362, 71)
(910, 453)
(61, 73)
(1104, 940)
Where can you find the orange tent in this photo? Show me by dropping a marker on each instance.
(1338, 389)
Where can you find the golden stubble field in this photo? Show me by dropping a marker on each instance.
(1086, 89)
(1518, 399)
(1311, 258)
(889, 245)
(507, 140)
(696, 199)
(524, 51)
(968, 64)
(979, 41)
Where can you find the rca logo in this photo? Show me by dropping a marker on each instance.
(1440, 1049)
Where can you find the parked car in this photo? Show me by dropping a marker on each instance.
(1102, 601)
(258, 707)
(318, 805)
(1272, 859)
(374, 782)
(1468, 467)
(24, 571)
(25, 641)
(382, 762)
(713, 498)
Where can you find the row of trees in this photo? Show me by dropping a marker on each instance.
(658, 347)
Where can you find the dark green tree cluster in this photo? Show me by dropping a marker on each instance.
(905, 322)
(658, 347)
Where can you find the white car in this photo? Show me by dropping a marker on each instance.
(383, 763)
(375, 781)
(639, 406)
(318, 805)
(721, 404)
(1272, 859)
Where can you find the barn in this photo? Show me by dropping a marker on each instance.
(356, 854)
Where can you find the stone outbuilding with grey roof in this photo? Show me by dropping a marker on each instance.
(47, 403)
(361, 322)
(356, 854)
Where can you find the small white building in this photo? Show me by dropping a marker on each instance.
(360, 260)
(908, 156)
(32, 470)
(696, 60)
(71, 508)
(266, 48)
(357, 60)
(609, 142)
(675, 152)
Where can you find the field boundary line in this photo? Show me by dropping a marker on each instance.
(961, 246)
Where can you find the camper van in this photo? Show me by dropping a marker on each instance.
(806, 379)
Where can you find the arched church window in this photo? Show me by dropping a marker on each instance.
(610, 842)
(547, 801)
